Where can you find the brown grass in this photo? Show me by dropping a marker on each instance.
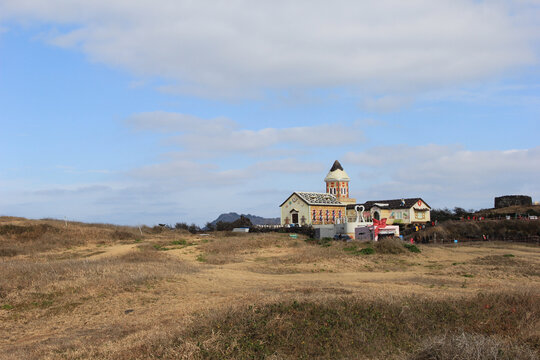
(344, 327)
(466, 346)
(266, 296)
(234, 246)
(56, 284)
(24, 237)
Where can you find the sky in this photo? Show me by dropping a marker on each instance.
(164, 111)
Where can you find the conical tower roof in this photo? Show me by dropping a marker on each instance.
(337, 173)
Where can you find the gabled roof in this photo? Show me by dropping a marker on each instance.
(392, 204)
(337, 173)
(315, 198)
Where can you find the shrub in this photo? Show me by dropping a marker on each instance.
(181, 226)
(389, 246)
(367, 251)
(122, 235)
(324, 242)
(194, 229)
(412, 248)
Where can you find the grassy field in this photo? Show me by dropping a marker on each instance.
(92, 291)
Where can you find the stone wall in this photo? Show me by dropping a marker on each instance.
(512, 200)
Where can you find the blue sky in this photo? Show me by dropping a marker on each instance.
(137, 112)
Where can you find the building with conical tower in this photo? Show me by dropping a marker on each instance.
(336, 207)
(314, 208)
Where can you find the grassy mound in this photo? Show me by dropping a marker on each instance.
(353, 328)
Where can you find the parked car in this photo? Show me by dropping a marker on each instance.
(342, 237)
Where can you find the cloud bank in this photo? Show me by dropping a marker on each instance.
(241, 47)
(448, 174)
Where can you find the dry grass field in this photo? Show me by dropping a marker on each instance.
(91, 291)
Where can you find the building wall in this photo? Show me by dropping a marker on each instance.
(294, 202)
(331, 210)
(399, 216)
(420, 212)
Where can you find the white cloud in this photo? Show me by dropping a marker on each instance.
(386, 103)
(242, 47)
(446, 175)
(192, 174)
(189, 173)
(222, 136)
(168, 122)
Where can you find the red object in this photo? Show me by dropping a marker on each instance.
(412, 241)
(378, 224)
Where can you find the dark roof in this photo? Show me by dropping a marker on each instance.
(315, 198)
(336, 166)
(392, 204)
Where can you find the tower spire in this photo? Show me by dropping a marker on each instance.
(336, 166)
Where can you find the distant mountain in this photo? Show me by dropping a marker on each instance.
(255, 220)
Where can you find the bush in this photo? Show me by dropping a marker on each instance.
(181, 226)
(389, 246)
(412, 248)
(228, 226)
(367, 251)
(194, 229)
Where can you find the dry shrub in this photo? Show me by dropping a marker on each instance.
(123, 235)
(513, 230)
(467, 346)
(389, 246)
